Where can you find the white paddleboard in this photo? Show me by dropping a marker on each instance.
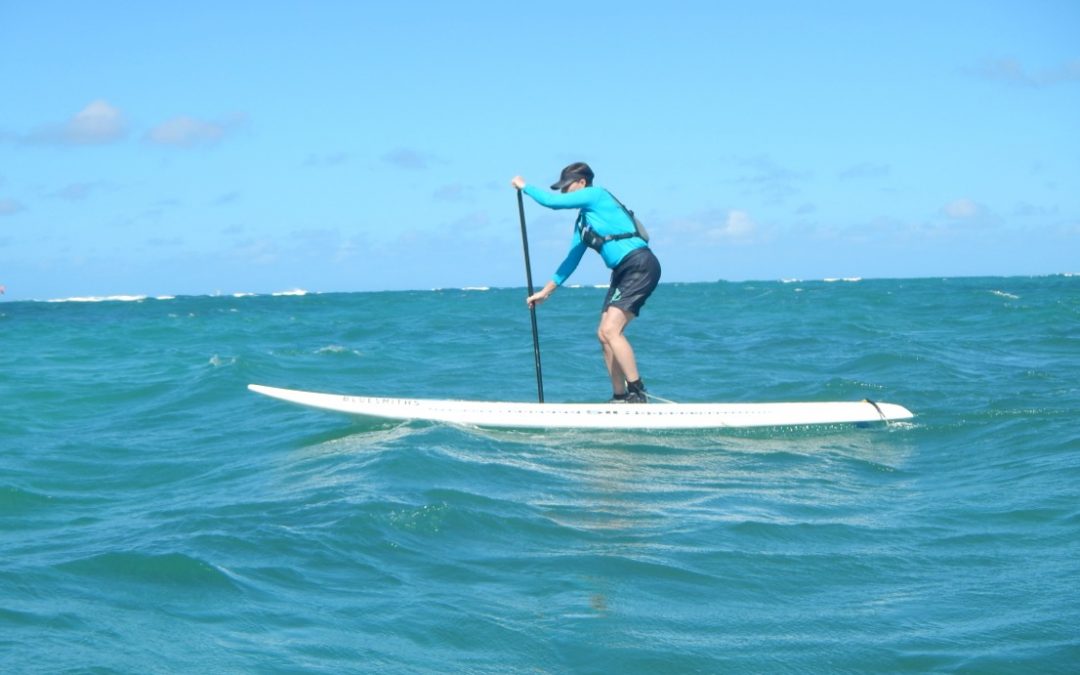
(496, 414)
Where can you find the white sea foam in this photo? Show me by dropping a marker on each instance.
(295, 291)
(102, 298)
(337, 349)
(1003, 294)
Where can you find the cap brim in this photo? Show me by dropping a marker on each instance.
(563, 183)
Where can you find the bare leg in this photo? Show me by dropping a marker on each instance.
(618, 354)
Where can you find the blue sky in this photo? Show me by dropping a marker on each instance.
(198, 147)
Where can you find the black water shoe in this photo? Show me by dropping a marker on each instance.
(635, 392)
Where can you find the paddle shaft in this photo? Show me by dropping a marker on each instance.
(532, 308)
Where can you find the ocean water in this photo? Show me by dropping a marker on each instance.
(156, 517)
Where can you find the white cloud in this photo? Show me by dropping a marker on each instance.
(9, 207)
(734, 224)
(348, 250)
(186, 132)
(98, 123)
(961, 209)
(1011, 71)
(709, 227)
(737, 225)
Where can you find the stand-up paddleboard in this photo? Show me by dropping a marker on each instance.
(496, 414)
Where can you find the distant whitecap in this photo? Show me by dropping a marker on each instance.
(102, 298)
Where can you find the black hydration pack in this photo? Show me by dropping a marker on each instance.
(596, 242)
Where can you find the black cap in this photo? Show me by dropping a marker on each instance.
(572, 173)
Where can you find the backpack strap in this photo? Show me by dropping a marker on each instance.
(639, 229)
(594, 240)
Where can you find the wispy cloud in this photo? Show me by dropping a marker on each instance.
(98, 123)
(1011, 71)
(9, 207)
(260, 252)
(773, 182)
(327, 245)
(408, 158)
(327, 159)
(226, 198)
(731, 225)
(865, 170)
(967, 214)
(164, 242)
(76, 192)
(454, 192)
(737, 224)
(1029, 210)
(962, 209)
(186, 132)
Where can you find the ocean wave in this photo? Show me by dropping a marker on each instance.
(101, 298)
(168, 569)
(150, 500)
(337, 349)
(15, 500)
(217, 361)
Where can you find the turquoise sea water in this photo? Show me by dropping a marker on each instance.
(157, 517)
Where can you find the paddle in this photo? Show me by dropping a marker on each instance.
(532, 308)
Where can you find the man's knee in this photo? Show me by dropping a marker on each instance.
(603, 335)
(609, 331)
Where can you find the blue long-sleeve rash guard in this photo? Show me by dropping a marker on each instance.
(602, 213)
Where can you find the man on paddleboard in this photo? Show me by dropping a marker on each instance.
(607, 227)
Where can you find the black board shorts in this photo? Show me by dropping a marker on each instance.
(632, 281)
